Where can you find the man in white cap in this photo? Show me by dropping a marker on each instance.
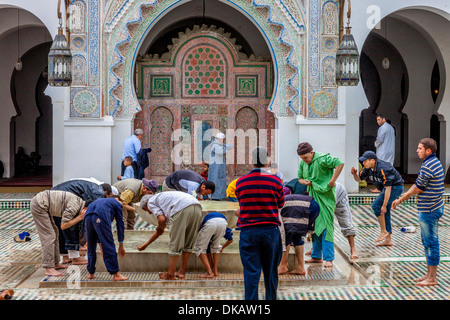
(131, 147)
(217, 170)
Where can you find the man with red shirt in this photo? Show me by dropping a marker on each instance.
(260, 195)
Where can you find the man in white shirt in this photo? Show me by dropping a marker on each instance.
(184, 215)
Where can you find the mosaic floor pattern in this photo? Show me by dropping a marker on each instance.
(390, 270)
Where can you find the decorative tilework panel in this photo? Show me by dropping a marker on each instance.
(85, 102)
(161, 86)
(161, 121)
(247, 120)
(204, 73)
(246, 86)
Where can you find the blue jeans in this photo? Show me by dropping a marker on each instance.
(322, 249)
(396, 191)
(429, 233)
(260, 248)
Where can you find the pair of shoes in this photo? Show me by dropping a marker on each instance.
(6, 294)
(22, 237)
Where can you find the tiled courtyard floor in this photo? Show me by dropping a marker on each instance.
(380, 273)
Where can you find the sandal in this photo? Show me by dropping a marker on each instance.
(22, 237)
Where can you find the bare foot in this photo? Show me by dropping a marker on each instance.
(308, 253)
(180, 275)
(52, 272)
(90, 276)
(314, 260)
(166, 276)
(299, 271)
(60, 266)
(328, 264)
(421, 278)
(66, 260)
(79, 261)
(375, 191)
(207, 275)
(386, 243)
(353, 255)
(383, 235)
(282, 269)
(119, 277)
(427, 282)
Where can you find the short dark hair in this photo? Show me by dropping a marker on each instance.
(107, 187)
(129, 158)
(259, 157)
(381, 115)
(209, 185)
(429, 143)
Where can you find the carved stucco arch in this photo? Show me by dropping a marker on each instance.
(127, 23)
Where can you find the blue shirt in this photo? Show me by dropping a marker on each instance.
(383, 175)
(431, 181)
(131, 147)
(129, 173)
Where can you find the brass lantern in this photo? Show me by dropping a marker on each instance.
(347, 58)
(60, 60)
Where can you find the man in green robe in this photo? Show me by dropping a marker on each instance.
(319, 173)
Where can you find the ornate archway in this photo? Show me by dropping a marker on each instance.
(127, 22)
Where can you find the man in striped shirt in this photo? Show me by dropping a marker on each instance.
(429, 188)
(260, 195)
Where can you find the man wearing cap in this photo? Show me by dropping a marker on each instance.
(131, 191)
(217, 172)
(131, 147)
(319, 172)
(190, 182)
(390, 182)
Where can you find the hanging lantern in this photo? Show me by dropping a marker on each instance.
(60, 59)
(347, 59)
(60, 62)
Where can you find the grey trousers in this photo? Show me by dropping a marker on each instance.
(344, 217)
(48, 234)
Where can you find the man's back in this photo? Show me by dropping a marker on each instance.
(385, 143)
(260, 195)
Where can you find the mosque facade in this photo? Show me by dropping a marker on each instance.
(260, 71)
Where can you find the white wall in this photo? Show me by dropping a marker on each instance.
(362, 15)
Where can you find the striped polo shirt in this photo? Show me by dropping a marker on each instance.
(260, 195)
(431, 181)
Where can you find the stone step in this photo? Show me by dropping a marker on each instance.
(155, 258)
(76, 278)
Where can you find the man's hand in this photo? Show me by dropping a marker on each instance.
(354, 171)
(383, 209)
(121, 250)
(332, 183)
(396, 203)
(305, 182)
